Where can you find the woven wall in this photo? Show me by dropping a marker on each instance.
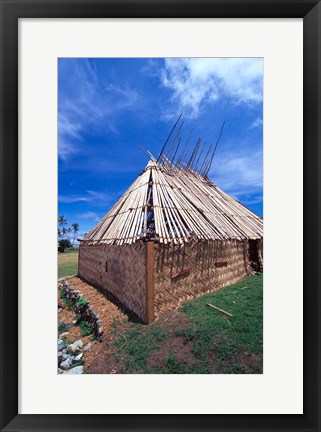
(181, 272)
(118, 269)
(213, 265)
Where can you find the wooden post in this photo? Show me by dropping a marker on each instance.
(150, 318)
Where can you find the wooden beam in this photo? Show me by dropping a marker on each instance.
(181, 272)
(221, 263)
(150, 317)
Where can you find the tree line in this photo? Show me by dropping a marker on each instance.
(67, 235)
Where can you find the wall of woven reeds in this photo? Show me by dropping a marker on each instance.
(183, 272)
(120, 270)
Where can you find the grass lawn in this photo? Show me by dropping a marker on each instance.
(68, 262)
(199, 339)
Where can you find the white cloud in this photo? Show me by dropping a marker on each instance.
(89, 215)
(65, 148)
(69, 199)
(91, 196)
(91, 105)
(97, 196)
(197, 81)
(256, 123)
(250, 200)
(127, 97)
(69, 128)
(240, 175)
(68, 131)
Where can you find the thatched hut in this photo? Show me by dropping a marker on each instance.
(173, 235)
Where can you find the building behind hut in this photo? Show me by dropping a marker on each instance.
(173, 236)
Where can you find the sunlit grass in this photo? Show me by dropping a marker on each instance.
(68, 263)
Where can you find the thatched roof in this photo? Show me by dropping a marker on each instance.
(170, 203)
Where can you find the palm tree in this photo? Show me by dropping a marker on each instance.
(75, 228)
(62, 221)
(68, 233)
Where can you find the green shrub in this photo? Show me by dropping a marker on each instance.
(68, 302)
(85, 328)
(82, 302)
(64, 243)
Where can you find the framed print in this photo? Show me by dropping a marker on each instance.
(162, 136)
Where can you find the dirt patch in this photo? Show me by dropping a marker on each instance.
(176, 346)
(251, 362)
(65, 315)
(99, 358)
(105, 358)
(174, 322)
(102, 360)
(108, 311)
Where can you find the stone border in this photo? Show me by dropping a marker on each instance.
(83, 312)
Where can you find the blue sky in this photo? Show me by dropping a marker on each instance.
(107, 108)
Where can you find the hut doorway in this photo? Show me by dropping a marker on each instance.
(256, 255)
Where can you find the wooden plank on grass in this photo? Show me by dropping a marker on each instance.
(219, 309)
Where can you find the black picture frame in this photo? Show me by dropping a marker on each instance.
(11, 11)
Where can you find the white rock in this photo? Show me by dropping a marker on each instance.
(60, 357)
(78, 357)
(72, 348)
(78, 370)
(79, 343)
(66, 364)
(65, 356)
(61, 344)
(64, 335)
(88, 346)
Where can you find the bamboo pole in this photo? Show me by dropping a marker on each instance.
(219, 309)
(161, 153)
